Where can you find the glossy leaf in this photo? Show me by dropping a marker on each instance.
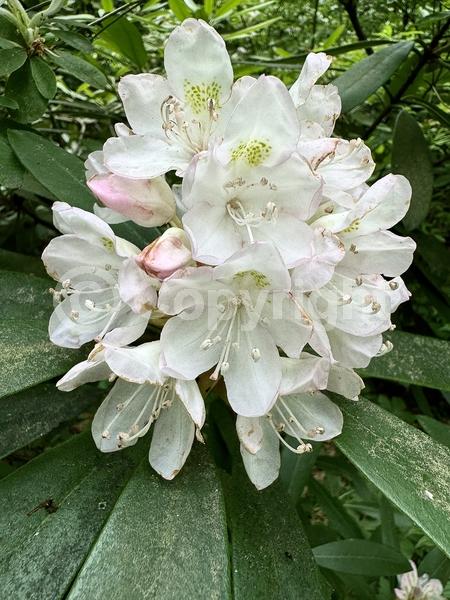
(32, 413)
(415, 359)
(125, 38)
(409, 468)
(22, 87)
(13, 261)
(75, 40)
(11, 59)
(44, 77)
(295, 471)
(411, 158)
(361, 557)
(81, 69)
(436, 565)
(11, 173)
(366, 76)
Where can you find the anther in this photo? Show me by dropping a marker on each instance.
(353, 249)
(376, 307)
(393, 285)
(206, 344)
(256, 354)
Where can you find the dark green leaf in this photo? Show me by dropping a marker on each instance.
(440, 432)
(11, 59)
(167, 538)
(8, 103)
(180, 9)
(338, 517)
(409, 468)
(125, 38)
(54, 168)
(388, 531)
(77, 41)
(30, 414)
(415, 359)
(411, 158)
(295, 471)
(11, 172)
(23, 89)
(44, 77)
(361, 557)
(80, 69)
(366, 76)
(42, 550)
(433, 259)
(9, 31)
(13, 261)
(436, 565)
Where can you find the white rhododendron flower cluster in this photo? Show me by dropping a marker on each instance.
(413, 587)
(275, 268)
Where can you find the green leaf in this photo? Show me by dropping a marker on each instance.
(42, 550)
(11, 173)
(409, 468)
(32, 413)
(338, 517)
(180, 9)
(415, 359)
(243, 33)
(440, 432)
(77, 41)
(366, 76)
(44, 77)
(80, 69)
(11, 59)
(295, 471)
(13, 261)
(269, 548)
(436, 565)
(125, 38)
(54, 168)
(8, 103)
(208, 6)
(361, 557)
(411, 158)
(22, 87)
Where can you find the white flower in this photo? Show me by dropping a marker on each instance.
(104, 294)
(234, 205)
(413, 587)
(318, 106)
(173, 119)
(301, 411)
(149, 203)
(143, 395)
(229, 317)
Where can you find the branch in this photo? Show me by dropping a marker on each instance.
(350, 7)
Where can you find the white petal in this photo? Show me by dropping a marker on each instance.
(129, 328)
(344, 381)
(316, 151)
(172, 439)
(306, 374)
(181, 343)
(185, 289)
(138, 364)
(87, 371)
(260, 258)
(124, 415)
(314, 271)
(109, 216)
(263, 128)
(142, 96)
(190, 395)
(72, 220)
(95, 164)
(144, 157)
(214, 235)
(349, 166)
(380, 252)
(290, 236)
(313, 412)
(136, 288)
(384, 204)
(354, 351)
(288, 324)
(263, 467)
(250, 432)
(252, 385)
(322, 107)
(313, 68)
(198, 66)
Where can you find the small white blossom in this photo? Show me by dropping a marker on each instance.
(413, 587)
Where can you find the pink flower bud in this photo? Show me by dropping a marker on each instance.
(166, 254)
(147, 202)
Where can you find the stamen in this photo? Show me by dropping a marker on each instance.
(256, 354)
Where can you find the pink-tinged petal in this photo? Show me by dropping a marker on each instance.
(166, 254)
(149, 203)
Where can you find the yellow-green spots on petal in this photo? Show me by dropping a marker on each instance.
(254, 152)
(354, 226)
(198, 95)
(246, 278)
(108, 244)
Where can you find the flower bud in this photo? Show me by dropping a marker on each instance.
(147, 202)
(166, 254)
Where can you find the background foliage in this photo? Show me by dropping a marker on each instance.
(344, 519)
